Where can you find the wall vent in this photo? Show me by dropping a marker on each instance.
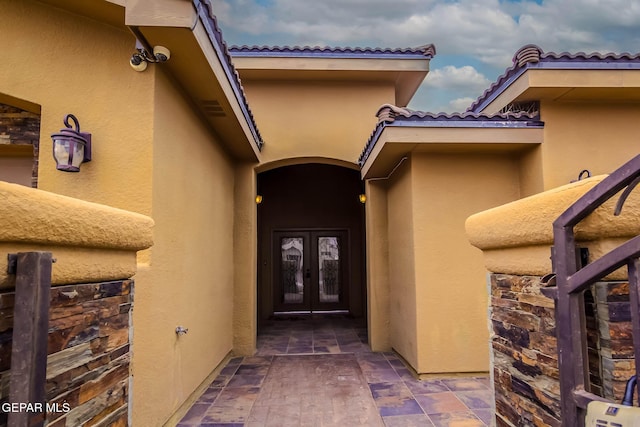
(212, 108)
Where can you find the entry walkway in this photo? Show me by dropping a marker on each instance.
(320, 372)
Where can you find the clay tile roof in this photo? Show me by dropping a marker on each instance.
(391, 115)
(532, 56)
(215, 34)
(427, 51)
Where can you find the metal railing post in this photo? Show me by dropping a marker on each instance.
(29, 344)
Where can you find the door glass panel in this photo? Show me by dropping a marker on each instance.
(329, 269)
(291, 276)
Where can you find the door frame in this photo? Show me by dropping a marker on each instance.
(311, 302)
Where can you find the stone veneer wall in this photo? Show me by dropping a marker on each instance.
(19, 127)
(615, 337)
(525, 361)
(526, 376)
(88, 353)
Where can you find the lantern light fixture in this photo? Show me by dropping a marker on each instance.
(70, 146)
(362, 198)
(258, 199)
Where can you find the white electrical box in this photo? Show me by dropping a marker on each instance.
(603, 414)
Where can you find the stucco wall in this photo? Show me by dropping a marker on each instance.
(402, 278)
(599, 137)
(377, 251)
(531, 179)
(64, 64)
(450, 302)
(151, 155)
(190, 278)
(315, 119)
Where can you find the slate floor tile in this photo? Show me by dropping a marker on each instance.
(418, 420)
(333, 379)
(464, 384)
(476, 399)
(486, 415)
(437, 403)
(426, 386)
(456, 419)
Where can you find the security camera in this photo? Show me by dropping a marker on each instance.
(161, 53)
(138, 63)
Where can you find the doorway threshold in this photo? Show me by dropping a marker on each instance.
(288, 313)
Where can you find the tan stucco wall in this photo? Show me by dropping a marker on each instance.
(377, 251)
(599, 137)
(152, 155)
(65, 63)
(451, 297)
(189, 281)
(531, 179)
(403, 309)
(90, 242)
(245, 237)
(516, 237)
(325, 119)
(437, 297)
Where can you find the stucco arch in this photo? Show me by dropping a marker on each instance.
(308, 196)
(305, 160)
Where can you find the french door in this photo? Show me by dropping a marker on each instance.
(310, 271)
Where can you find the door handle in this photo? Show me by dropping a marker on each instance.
(307, 274)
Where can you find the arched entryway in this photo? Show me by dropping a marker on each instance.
(311, 241)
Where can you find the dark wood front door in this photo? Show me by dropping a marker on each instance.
(310, 270)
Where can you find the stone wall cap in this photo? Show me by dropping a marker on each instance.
(529, 221)
(34, 216)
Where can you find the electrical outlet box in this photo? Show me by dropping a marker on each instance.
(604, 414)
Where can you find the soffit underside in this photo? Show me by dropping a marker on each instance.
(569, 86)
(394, 143)
(405, 75)
(209, 90)
(109, 12)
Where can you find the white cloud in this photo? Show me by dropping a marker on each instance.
(486, 31)
(489, 30)
(457, 78)
(460, 104)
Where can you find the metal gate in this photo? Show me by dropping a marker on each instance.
(572, 279)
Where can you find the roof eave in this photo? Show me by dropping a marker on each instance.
(405, 69)
(202, 66)
(391, 141)
(514, 84)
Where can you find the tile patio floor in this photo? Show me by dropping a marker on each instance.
(321, 372)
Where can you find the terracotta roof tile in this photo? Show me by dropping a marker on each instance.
(427, 51)
(215, 34)
(532, 56)
(391, 115)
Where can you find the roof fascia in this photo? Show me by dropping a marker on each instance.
(331, 63)
(475, 135)
(506, 87)
(215, 38)
(196, 17)
(163, 13)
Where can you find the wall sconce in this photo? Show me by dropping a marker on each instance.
(362, 198)
(71, 147)
(258, 199)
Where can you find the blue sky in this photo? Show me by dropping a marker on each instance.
(475, 39)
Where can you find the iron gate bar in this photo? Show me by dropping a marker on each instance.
(569, 308)
(29, 342)
(634, 301)
(601, 267)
